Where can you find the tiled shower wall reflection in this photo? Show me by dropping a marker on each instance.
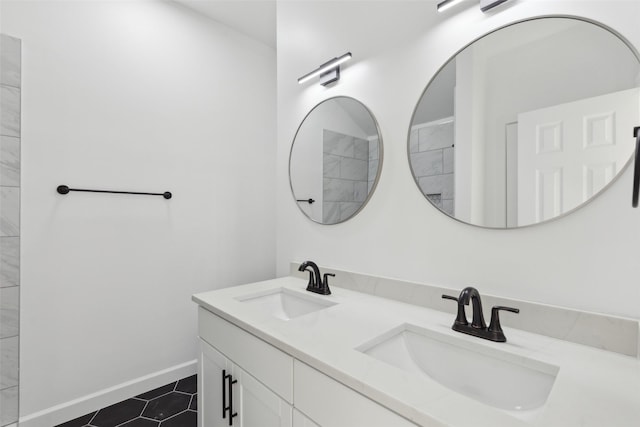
(431, 149)
(9, 226)
(345, 175)
(374, 161)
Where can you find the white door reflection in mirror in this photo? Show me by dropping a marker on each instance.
(568, 152)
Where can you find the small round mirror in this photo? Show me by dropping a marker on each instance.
(335, 160)
(526, 124)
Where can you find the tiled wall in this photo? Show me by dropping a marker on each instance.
(345, 175)
(374, 161)
(431, 151)
(10, 83)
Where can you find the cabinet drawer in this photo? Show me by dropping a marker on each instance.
(329, 403)
(266, 363)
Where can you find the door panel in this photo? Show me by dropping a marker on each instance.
(257, 405)
(300, 420)
(212, 363)
(569, 152)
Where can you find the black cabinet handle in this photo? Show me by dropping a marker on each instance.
(231, 413)
(636, 169)
(224, 393)
(227, 388)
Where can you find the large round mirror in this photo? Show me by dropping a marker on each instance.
(335, 160)
(527, 123)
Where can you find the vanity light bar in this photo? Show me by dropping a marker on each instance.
(485, 5)
(447, 4)
(331, 65)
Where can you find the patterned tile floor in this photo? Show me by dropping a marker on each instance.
(172, 405)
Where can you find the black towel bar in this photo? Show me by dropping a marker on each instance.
(310, 201)
(63, 189)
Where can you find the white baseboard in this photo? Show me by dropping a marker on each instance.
(78, 407)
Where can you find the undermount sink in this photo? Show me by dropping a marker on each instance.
(486, 374)
(285, 304)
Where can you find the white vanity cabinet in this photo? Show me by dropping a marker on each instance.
(229, 396)
(340, 406)
(258, 386)
(299, 420)
(211, 368)
(319, 369)
(260, 382)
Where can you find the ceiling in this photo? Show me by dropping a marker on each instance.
(256, 18)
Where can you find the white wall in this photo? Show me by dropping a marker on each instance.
(141, 96)
(438, 101)
(587, 260)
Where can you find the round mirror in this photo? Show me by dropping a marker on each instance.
(527, 123)
(335, 160)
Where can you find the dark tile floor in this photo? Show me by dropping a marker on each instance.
(172, 405)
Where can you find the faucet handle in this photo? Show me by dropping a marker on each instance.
(325, 283)
(450, 297)
(494, 325)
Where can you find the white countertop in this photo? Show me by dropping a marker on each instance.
(592, 388)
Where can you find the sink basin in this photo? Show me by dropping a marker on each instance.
(484, 373)
(285, 304)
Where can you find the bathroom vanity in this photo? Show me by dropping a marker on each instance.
(273, 354)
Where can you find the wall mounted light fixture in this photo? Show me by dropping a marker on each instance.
(485, 5)
(329, 72)
(447, 4)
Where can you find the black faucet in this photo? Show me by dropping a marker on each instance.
(316, 284)
(478, 327)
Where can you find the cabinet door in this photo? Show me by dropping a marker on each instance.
(263, 361)
(210, 386)
(300, 420)
(256, 405)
